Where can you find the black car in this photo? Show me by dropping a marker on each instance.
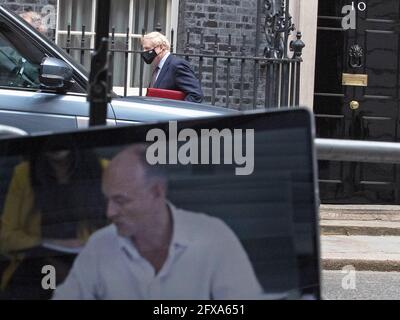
(31, 101)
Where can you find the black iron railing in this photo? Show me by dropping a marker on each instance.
(232, 79)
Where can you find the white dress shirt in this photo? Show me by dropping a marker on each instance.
(161, 64)
(205, 261)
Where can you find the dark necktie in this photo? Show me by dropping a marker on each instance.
(154, 77)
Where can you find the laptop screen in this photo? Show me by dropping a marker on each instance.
(218, 208)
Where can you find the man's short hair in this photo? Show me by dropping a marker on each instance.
(151, 171)
(158, 39)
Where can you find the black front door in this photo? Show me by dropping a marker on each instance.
(357, 96)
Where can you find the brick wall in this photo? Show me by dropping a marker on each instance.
(222, 17)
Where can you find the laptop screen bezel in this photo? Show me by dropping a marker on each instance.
(96, 137)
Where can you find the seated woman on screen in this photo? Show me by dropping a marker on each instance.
(54, 202)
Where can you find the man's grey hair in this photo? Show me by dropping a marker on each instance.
(158, 39)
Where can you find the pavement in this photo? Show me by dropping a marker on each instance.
(364, 285)
(365, 237)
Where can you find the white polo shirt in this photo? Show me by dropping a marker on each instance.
(205, 261)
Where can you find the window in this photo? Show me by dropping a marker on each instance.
(19, 61)
(133, 14)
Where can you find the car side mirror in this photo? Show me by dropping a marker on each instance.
(55, 74)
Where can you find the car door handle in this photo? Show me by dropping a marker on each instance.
(8, 131)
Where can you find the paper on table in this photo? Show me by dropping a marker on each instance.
(59, 248)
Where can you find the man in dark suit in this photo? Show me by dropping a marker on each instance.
(169, 72)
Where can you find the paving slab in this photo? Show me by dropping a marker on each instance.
(372, 253)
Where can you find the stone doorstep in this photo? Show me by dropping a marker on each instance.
(360, 212)
(360, 207)
(358, 236)
(356, 227)
(361, 265)
(364, 253)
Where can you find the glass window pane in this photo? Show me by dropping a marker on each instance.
(75, 51)
(76, 13)
(136, 62)
(119, 15)
(19, 61)
(148, 13)
(120, 62)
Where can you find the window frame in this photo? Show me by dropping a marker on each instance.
(172, 11)
(33, 57)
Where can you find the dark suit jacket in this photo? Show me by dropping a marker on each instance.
(176, 74)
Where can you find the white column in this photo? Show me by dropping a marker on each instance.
(305, 16)
(57, 20)
(173, 21)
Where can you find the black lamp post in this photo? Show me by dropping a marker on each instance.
(99, 93)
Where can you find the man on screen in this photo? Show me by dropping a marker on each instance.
(153, 250)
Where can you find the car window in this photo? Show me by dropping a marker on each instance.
(15, 70)
(19, 61)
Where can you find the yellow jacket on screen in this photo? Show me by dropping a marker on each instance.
(21, 221)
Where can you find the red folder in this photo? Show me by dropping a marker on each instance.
(164, 93)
